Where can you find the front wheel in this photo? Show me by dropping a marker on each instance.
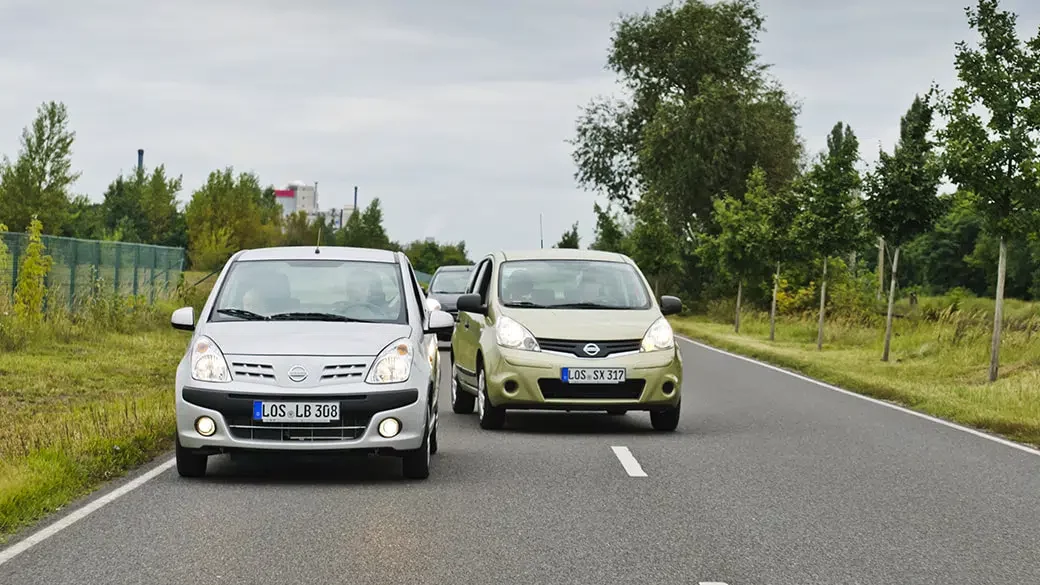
(416, 464)
(190, 464)
(491, 417)
(666, 419)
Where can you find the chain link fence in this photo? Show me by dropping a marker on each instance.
(81, 267)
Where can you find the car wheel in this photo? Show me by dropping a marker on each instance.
(461, 401)
(665, 420)
(491, 417)
(190, 464)
(416, 464)
(433, 440)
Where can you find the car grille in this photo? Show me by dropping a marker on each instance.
(344, 372)
(606, 348)
(347, 428)
(553, 388)
(253, 371)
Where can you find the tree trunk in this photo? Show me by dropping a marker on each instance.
(772, 310)
(736, 319)
(823, 308)
(998, 312)
(880, 267)
(891, 306)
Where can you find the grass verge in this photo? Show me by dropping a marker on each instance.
(938, 368)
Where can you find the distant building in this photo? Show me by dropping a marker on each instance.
(299, 196)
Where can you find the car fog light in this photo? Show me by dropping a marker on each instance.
(389, 427)
(205, 426)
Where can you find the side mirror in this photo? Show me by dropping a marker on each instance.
(440, 322)
(670, 305)
(432, 304)
(470, 303)
(183, 319)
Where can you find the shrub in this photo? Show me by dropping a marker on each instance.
(30, 292)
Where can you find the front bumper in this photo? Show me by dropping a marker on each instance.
(524, 379)
(360, 414)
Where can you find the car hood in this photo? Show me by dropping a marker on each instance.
(306, 338)
(448, 301)
(584, 324)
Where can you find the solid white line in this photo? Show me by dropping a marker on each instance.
(69, 520)
(628, 461)
(946, 423)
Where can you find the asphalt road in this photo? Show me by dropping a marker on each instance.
(769, 479)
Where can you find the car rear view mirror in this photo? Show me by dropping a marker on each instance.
(440, 322)
(433, 304)
(670, 305)
(183, 319)
(470, 303)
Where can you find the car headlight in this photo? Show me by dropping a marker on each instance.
(658, 336)
(509, 333)
(207, 362)
(393, 364)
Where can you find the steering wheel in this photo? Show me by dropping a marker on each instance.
(370, 307)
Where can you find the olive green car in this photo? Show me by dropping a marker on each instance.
(564, 329)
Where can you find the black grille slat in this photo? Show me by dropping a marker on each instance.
(252, 370)
(553, 388)
(345, 429)
(348, 371)
(576, 348)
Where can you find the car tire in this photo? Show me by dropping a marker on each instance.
(190, 464)
(416, 464)
(491, 417)
(666, 419)
(462, 402)
(433, 440)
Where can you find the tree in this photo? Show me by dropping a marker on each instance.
(31, 291)
(739, 247)
(38, 182)
(829, 222)
(653, 246)
(901, 195)
(86, 219)
(570, 238)
(701, 112)
(996, 158)
(610, 235)
(364, 229)
(428, 255)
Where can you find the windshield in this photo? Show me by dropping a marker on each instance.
(571, 284)
(312, 290)
(450, 281)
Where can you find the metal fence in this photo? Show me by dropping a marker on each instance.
(79, 267)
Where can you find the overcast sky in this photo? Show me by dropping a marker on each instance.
(454, 113)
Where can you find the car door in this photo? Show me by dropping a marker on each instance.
(466, 339)
(427, 349)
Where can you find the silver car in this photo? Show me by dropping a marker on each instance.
(311, 350)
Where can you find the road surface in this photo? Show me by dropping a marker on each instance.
(770, 479)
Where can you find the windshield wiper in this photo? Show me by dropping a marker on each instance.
(243, 314)
(525, 305)
(297, 316)
(585, 305)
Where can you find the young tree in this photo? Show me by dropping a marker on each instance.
(829, 220)
(996, 157)
(654, 247)
(610, 236)
(38, 182)
(570, 238)
(230, 212)
(902, 200)
(739, 247)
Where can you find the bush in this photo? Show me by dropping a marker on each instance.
(30, 292)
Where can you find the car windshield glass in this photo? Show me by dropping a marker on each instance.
(450, 281)
(312, 290)
(571, 284)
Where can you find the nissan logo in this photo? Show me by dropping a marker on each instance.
(297, 373)
(591, 349)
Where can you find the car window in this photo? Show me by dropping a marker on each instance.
(478, 275)
(485, 281)
(450, 281)
(292, 289)
(577, 284)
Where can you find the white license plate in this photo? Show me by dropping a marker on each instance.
(592, 375)
(295, 411)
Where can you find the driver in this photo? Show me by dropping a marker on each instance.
(520, 286)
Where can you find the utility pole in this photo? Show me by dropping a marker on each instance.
(541, 234)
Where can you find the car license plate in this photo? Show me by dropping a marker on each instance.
(295, 411)
(592, 375)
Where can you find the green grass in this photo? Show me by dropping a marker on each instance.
(81, 407)
(938, 365)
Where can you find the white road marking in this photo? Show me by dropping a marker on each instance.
(628, 461)
(711, 583)
(31, 541)
(977, 433)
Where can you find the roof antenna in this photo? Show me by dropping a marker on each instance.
(316, 250)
